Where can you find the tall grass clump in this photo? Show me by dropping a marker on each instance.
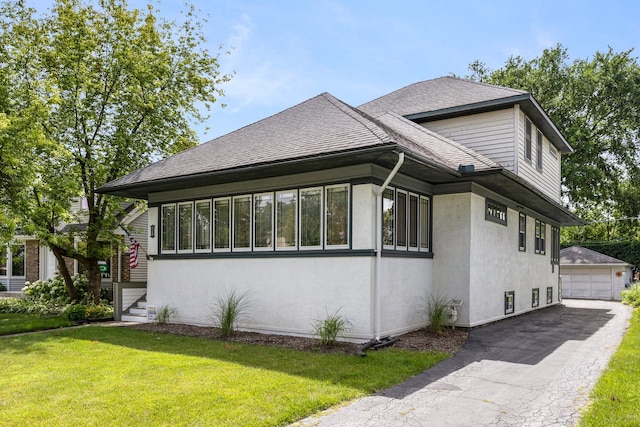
(165, 313)
(228, 310)
(331, 328)
(436, 312)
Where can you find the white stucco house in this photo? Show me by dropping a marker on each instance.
(446, 187)
(589, 274)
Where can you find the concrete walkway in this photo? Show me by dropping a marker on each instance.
(534, 370)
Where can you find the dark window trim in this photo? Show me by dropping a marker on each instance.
(509, 302)
(539, 144)
(271, 254)
(535, 297)
(549, 294)
(522, 232)
(495, 211)
(527, 138)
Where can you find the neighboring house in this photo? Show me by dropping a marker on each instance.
(447, 188)
(24, 260)
(591, 275)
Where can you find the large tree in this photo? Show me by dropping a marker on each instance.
(92, 91)
(595, 103)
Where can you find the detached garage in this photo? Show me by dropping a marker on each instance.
(591, 275)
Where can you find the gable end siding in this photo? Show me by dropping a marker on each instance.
(548, 180)
(490, 134)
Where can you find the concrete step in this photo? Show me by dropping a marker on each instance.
(138, 311)
(135, 318)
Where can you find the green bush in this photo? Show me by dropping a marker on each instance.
(228, 310)
(75, 312)
(331, 327)
(102, 311)
(631, 296)
(54, 291)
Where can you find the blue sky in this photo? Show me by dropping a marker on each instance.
(284, 52)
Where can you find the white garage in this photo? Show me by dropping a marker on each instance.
(591, 275)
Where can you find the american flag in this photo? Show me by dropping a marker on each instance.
(133, 252)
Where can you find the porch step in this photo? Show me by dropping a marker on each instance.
(136, 313)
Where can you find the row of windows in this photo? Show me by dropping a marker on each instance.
(528, 143)
(12, 260)
(405, 220)
(310, 218)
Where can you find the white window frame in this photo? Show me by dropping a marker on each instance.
(321, 218)
(179, 231)
(233, 223)
(393, 219)
(196, 228)
(347, 219)
(424, 232)
(415, 248)
(254, 222)
(296, 222)
(175, 228)
(213, 225)
(404, 220)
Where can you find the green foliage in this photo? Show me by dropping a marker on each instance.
(75, 312)
(228, 310)
(332, 327)
(614, 399)
(89, 92)
(2, 287)
(53, 290)
(165, 313)
(631, 296)
(595, 103)
(101, 311)
(436, 311)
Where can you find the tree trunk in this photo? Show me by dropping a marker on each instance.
(64, 271)
(93, 274)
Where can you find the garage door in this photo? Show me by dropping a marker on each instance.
(589, 283)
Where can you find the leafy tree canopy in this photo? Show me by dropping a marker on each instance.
(90, 91)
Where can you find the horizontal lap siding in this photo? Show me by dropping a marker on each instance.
(490, 134)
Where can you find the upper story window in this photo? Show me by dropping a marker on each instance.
(522, 232)
(555, 245)
(496, 212)
(539, 150)
(540, 237)
(405, 220)
(527, 139)
(309, 218)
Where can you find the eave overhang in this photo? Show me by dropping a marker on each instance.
(527, 103)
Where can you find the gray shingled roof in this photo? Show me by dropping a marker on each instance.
(436, 94)
(316, 127)
(577, 255)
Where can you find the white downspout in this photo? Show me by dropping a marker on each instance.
(376, 281)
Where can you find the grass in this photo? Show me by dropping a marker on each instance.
(616, 395)
(13, 323)
(98, 375)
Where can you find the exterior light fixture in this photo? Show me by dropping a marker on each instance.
(152, 231)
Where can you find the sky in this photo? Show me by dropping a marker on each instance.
(284, 52)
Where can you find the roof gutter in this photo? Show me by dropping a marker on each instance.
(377, 321)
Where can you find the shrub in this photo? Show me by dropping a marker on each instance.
(228, 310)
(102, 311)
(75, 312)
(436, 311)
(631, 296)
(331, 327)
(165, 313)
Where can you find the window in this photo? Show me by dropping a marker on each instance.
(549, 295)
(509, 302)
(222, 224)
(17, 259)
(413, 221)
(424, 223)
(263, 221)
(541, 230)
(311, 218)
(388, 218)
(337, 216)
(495, 212)
(555, 245)
(401, 218)
(286, 219)
(4, 259)
(185, 227)
(168, 227)
(242, 223)
(527, 139)
(522, 232)
(203, 226)
(535, 297)
(539, 150)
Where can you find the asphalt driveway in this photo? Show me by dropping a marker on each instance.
(531, 370)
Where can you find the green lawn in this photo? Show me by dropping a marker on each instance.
(96, 376)
(616, 396)
(13, 323)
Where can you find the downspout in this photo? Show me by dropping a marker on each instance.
(376, 280)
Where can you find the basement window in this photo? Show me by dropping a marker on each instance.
(535, 297)
(549, 294)
(509, 302)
